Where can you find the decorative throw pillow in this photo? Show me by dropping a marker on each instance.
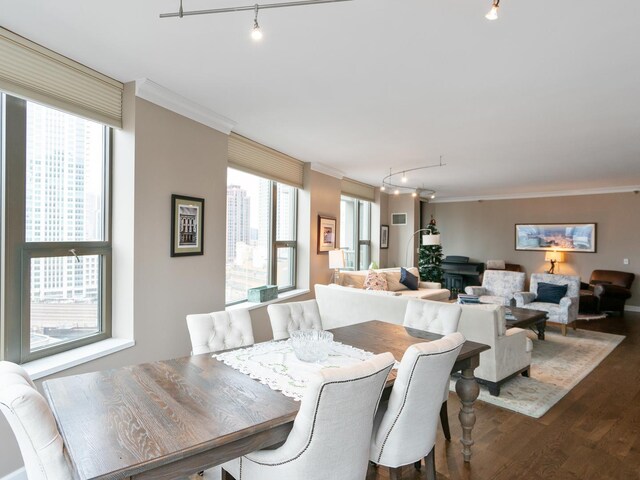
(375, 281)
(550, 293)
(408, 279)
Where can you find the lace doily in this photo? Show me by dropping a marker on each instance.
(276, 365)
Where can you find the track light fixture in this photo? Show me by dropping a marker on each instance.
(493, 13)
(389, 182)
(256, 33)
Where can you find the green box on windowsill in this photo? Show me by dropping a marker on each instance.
(262, 294)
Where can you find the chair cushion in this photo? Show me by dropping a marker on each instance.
(375, 281)
(550, 293)
(408, 279)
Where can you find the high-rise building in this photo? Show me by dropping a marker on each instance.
(238, 220)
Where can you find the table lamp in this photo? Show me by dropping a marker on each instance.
(553, 257)
(336, 261)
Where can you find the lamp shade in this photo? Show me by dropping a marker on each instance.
(428, 240)
(555, 256)
(336, 258)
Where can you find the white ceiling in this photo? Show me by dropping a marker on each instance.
(547, 98)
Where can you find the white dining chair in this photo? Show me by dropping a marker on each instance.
(331, 432)
(288, 317)
(405, 426)
(33, 425)
(215, 331)
(440, 318)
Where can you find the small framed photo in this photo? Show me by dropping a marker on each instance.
(384, 236)
(326, 234)
(187, 225)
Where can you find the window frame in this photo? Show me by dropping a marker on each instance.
(272, 274)
(18, 253)
(358, 241)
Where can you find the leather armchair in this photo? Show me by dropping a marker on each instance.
(609, 288)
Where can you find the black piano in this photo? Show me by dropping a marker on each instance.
(459, 272)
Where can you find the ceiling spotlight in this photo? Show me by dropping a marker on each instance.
(414, 194)
(493, 13)
(433, 196)
(404, 177)
(397, 192)
(383, 188)
(256, 33)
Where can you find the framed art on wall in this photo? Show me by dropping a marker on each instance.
(562, 237)
(384, 236)
(187, 225)
(326, 234)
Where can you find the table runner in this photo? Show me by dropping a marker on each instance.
(276, 365)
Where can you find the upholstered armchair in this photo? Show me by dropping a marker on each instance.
(565, 312)
(498, 286)
(607, 291)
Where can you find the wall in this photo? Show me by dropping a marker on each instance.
(399, 235)
(484, 230)
(172, 155)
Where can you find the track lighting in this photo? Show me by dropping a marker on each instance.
(414, 194)
(404, 177)
(396, 192)
(493, 13)
(398, 182)
(383, 188)
(256, 33)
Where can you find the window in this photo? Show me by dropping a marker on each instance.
(355, 232)
(63, 256)
(261, 235)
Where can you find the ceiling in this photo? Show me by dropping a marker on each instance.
(545, 99)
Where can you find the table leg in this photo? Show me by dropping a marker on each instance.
(541, 327)
(468, 390)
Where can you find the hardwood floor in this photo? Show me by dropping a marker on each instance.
(592, 433)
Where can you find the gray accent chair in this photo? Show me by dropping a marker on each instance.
(498, 286)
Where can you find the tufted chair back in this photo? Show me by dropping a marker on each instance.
(405, 428)
(331, 432)
(289, 317)
(434, 317)
(33, 425)
(212, 332)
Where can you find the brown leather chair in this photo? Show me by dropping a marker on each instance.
(607, 291)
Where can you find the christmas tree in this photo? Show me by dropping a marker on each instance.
(430, 259)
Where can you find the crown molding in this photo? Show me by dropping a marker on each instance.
(154, 93)
(516, 196)
(332, 172)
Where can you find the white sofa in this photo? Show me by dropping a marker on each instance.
(510, 352)
(426, 290)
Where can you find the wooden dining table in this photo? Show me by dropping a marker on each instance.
(172, 418)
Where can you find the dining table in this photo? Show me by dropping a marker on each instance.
(171, 418)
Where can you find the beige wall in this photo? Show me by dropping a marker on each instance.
(399, 235)
(485, 230)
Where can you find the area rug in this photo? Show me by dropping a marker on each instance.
(557, 365)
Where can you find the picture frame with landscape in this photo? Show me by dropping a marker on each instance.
(187, 225)
(561, 237)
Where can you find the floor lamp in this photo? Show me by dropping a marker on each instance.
(427, 240)
(336, 261)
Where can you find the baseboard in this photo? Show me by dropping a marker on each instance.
(631, 308)
(20, 474)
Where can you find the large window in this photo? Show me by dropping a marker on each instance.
(355, 232)
(60, 164)
(261, 235)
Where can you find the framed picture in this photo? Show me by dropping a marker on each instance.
(326, 234)
(562, 237)
(187, 225)
(384, 236)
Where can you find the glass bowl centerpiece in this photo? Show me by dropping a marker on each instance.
(311, 345)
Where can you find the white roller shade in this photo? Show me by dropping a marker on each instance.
(31, 71)
(252, 157)
(352, 188)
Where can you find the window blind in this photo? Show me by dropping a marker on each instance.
(252, 157)
(353, 188)
(36, 73)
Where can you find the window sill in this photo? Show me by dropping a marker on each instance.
(44, 367)
(282, 296)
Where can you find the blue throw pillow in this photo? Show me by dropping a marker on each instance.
(550, 293)
(408, 279)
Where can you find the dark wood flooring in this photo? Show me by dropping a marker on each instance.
(592, 433)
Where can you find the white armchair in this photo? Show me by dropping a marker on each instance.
(498, 286)
(215, 331)
(510, 352)
(405, 427)
(33, 425)
(288, 317)
(332, 431)
(565, 312)
(440, 318)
